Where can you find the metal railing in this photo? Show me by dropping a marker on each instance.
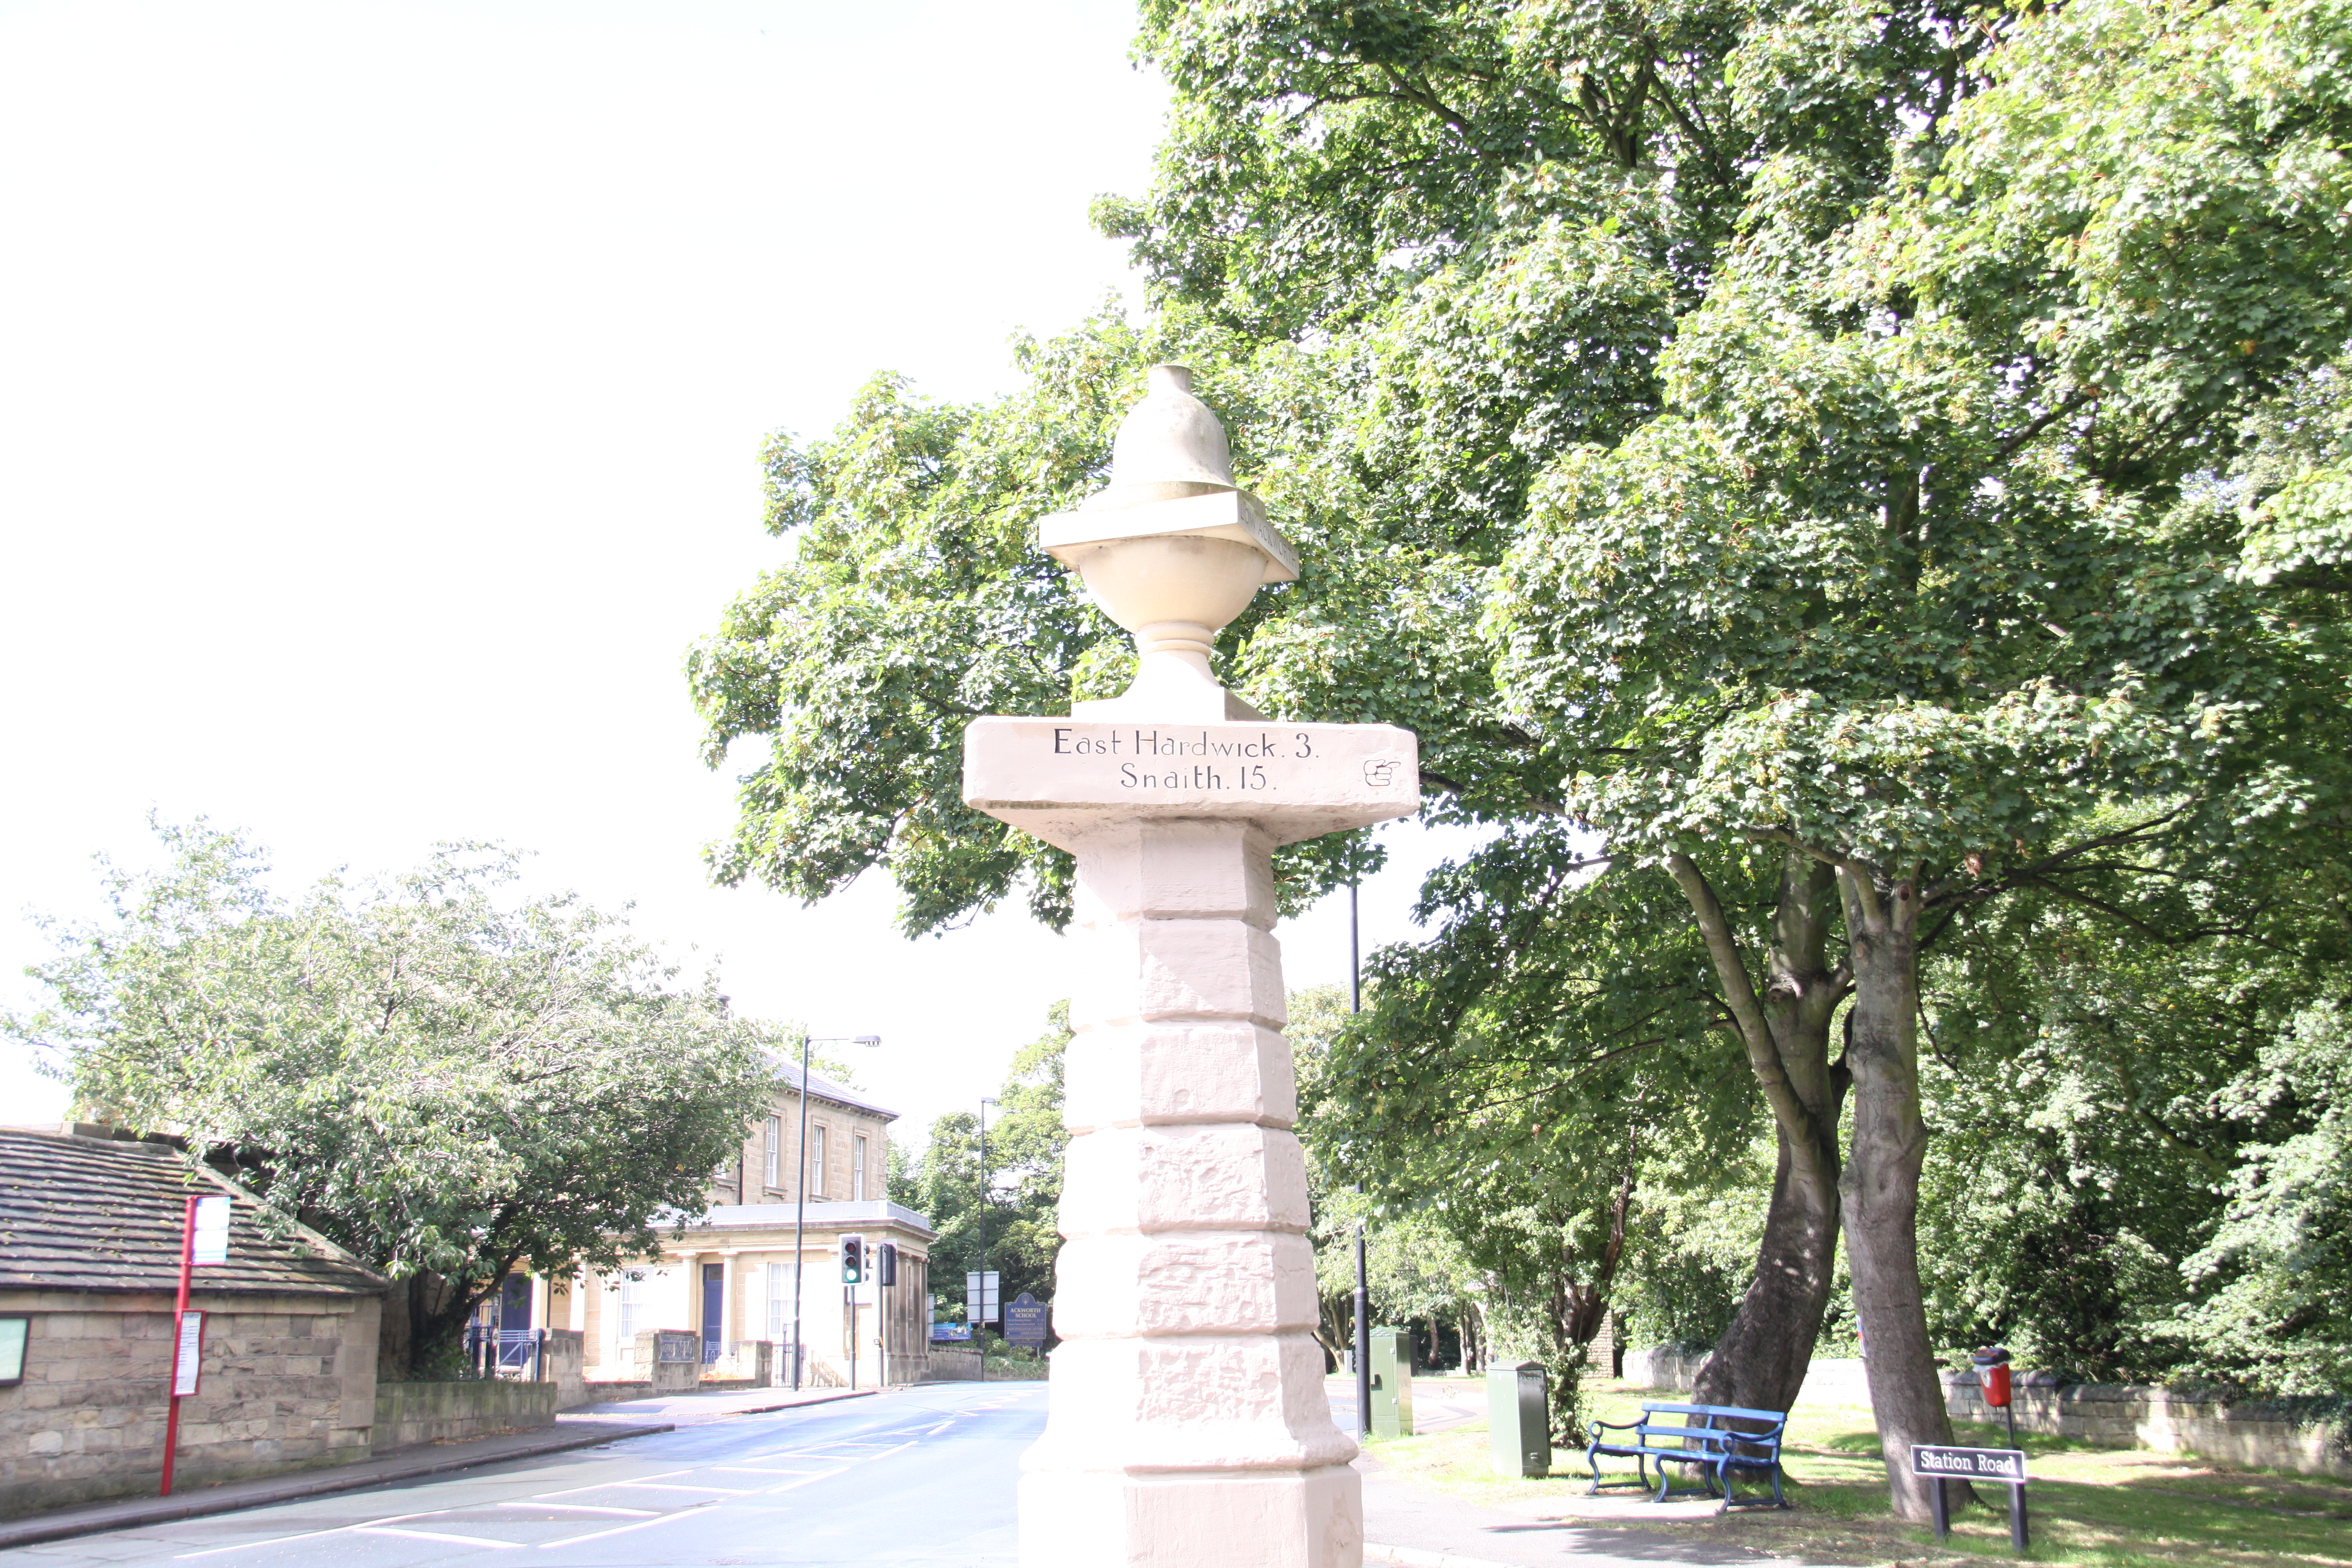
(517, 1354)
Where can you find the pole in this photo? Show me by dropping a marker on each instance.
(979, 1329)
(800, 1215)
(2019, 1537)
(849, 1304)
(1363, 1276)
(179, 1316)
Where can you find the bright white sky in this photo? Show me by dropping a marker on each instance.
(379, 391)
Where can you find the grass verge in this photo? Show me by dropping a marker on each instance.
(2096, 1507)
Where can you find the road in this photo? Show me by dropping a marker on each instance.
(920, 1474)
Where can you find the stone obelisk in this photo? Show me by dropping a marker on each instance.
(1189, 1426)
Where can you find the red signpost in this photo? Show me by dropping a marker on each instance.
(204, 1238)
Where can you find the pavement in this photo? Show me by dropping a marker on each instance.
(909, 1475)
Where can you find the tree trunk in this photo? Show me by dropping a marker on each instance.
(1759, 1362)
(1881, 1184)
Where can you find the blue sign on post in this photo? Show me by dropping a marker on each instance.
(1024, 1319)
(948, 1334)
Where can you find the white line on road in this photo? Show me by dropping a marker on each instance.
(600, 1486)
(686, 1513)
(432, 1535)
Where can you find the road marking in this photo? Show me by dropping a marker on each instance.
(273, 1540)
(600, 1486)
(430, 1535)
(643, 1518)
(804, 1480)
(313, 1534)
(760, 1469)
(686, 1513)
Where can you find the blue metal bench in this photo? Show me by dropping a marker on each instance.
(1703, 1440)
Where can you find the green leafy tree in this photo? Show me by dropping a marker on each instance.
(451, 1084)
(1019, 1203)
(2137, 1172)
(1864, 466)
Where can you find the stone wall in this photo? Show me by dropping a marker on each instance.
(565, 1366)
(951, 1364)
(2123, 1416)
(407, 1414)
(1828, 1380)
(2113, 1415)
(286, 1383)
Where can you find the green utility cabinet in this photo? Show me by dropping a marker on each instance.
(1518, 1423)
(1391, 1383)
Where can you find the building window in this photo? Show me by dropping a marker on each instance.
(816, 1161)
(780, 1302)
(13, 1333)
(857, 1169)
(775, 1149)
(628, 1310)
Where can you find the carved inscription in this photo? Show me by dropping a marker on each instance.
(1152, 756)
(1052, 776)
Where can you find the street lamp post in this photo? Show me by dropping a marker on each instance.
(1364, 1281)
(978, 1332)
(800, 1184)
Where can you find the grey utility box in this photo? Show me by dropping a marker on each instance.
(1518, 1423)
(1391, 1383)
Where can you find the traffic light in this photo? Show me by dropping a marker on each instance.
(853, 1260)
(886, 1263)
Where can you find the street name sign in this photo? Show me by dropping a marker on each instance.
(1969, 1464)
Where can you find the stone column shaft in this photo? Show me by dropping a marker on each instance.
(1189, 1426)
(1189, 1421)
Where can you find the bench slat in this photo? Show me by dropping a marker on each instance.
(1734, 1411)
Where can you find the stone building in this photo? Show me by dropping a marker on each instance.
(729, 1278)
(91, 1226)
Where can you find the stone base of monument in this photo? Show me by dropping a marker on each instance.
(1309, 1519)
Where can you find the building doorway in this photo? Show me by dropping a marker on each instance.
(714, 1308)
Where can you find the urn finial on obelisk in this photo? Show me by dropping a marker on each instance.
(1172, 549)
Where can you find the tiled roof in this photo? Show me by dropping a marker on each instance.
(822, 1215)
(78, 1213)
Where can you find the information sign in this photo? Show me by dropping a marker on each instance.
(2007, 1466)
(979, 1296)
(188, 1356)
(1025, 1320)
(1967, 1464)
(949, 1333)
(209, 1243)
